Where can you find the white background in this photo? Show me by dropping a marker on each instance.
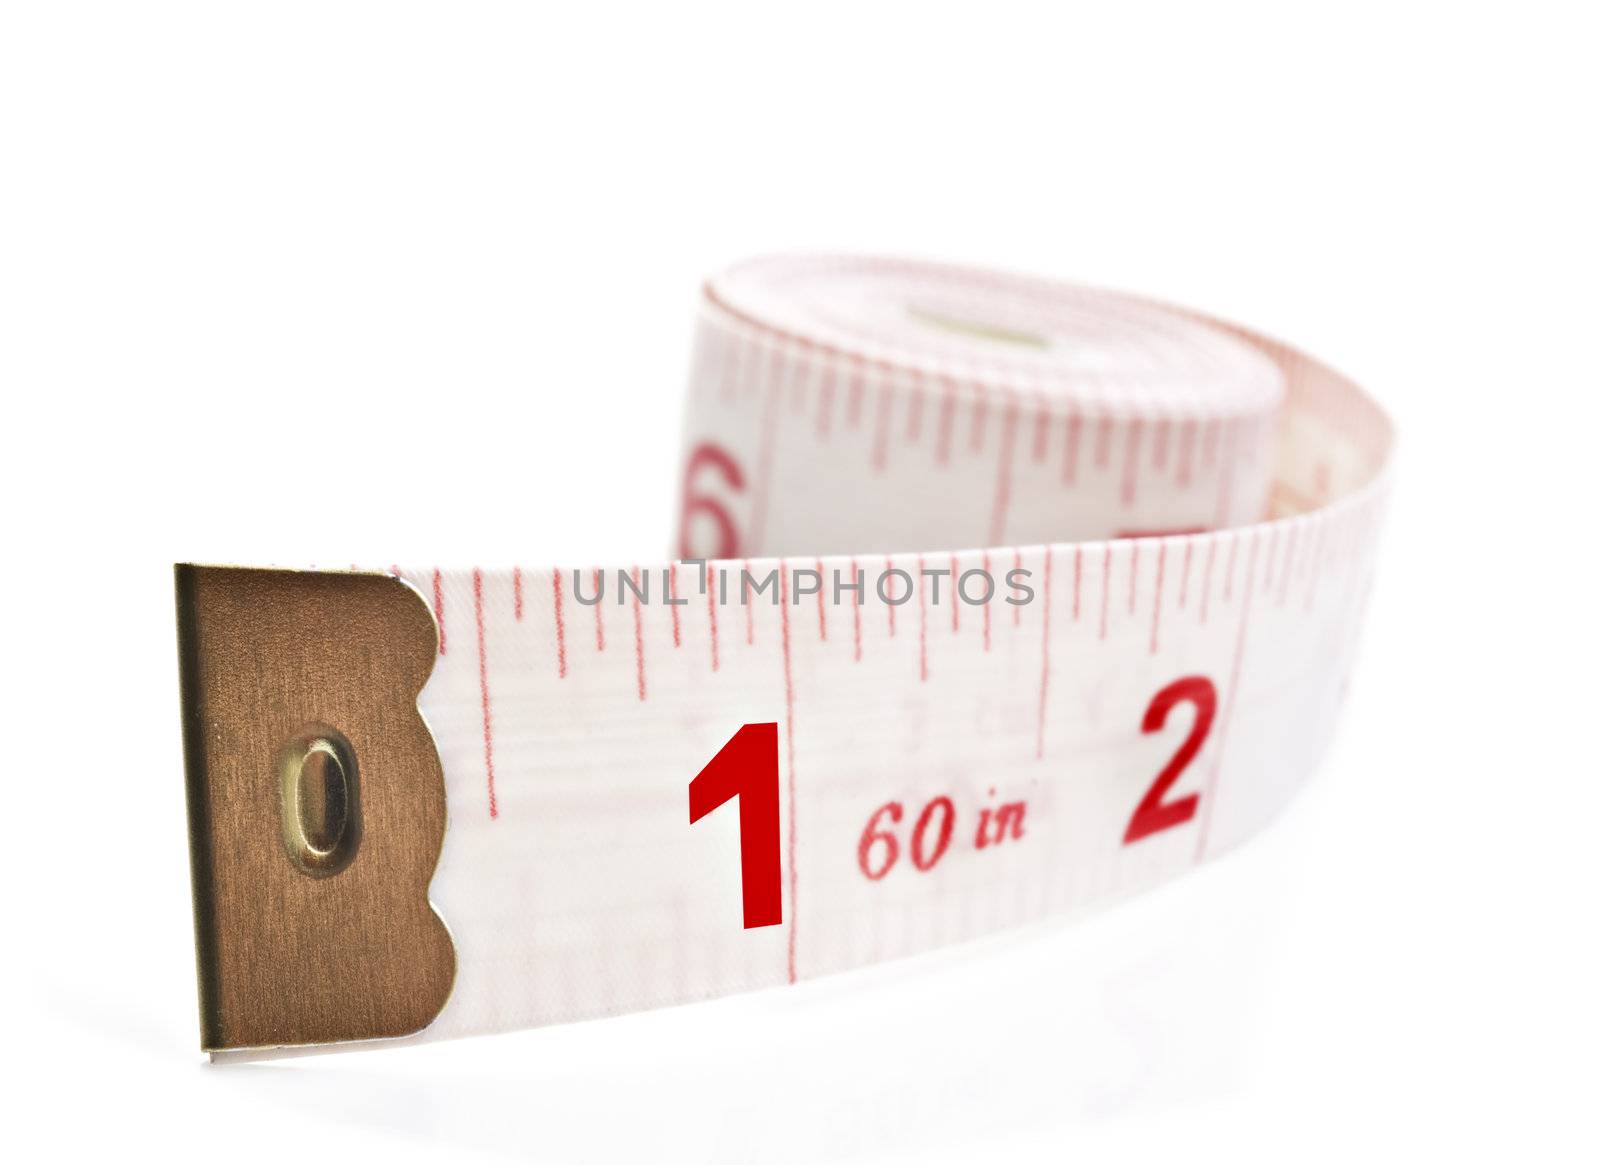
(331, 283)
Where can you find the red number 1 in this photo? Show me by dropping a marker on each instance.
(747, 768)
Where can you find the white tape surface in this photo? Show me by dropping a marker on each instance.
(947, 767)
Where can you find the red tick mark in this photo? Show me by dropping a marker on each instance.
(483, 689)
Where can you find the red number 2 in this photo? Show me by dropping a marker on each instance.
(747, 768)
(1153, 814)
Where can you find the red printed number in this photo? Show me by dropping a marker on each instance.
(879, 849)
(876, 862)
(747, 768)
(1154, 814)
(708, 455)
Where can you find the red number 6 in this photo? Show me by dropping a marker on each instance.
(718, 458)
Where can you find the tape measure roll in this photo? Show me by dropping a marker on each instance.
(1023, 597)
(911, 407)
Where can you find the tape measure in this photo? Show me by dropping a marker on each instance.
(996, 598)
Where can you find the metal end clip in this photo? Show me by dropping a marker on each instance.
(316, 806)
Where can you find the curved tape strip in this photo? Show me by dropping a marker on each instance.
(945, 767)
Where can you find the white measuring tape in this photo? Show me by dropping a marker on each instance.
(873, 450)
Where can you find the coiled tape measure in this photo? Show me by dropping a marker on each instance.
(995, 598)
